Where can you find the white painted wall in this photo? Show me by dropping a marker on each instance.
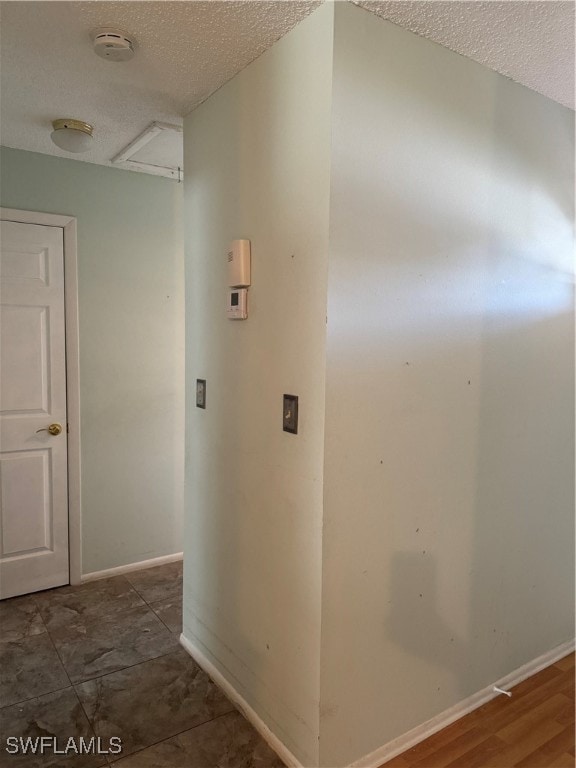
(448, 546)
(257, 166)
(131, 308)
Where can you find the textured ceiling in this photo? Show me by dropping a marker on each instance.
(528, 41)
(186, 50)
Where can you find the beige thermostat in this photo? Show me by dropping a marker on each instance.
(237, 304)
(239, 264)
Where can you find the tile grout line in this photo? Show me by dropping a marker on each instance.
(38, 696)
(38, 634)
(184, 730)
(160, 617)
(149, 602)
(163, 622)
(58, 655)
(88, 720)
(93, 619)
(128, 666)
(71, 686)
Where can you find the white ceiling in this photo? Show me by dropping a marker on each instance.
(529, 41)
(186, 50)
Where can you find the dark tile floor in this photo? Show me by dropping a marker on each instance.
(103, 660)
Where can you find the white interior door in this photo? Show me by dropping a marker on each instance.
(33, 463)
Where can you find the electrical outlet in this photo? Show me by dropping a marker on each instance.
(200, 393)
(290, 414)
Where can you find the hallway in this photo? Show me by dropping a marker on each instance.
(103, 659)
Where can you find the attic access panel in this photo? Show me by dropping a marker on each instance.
(158, 150)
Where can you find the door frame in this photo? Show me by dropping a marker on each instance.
(68, 225)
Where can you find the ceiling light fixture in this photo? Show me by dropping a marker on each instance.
(72, 135)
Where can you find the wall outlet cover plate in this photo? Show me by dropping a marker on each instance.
(200, 393)
(290, 414)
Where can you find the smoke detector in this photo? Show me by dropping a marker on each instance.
(113, 44)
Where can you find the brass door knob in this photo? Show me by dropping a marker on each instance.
(54, 429)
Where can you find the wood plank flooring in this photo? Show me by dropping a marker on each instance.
(533, 729)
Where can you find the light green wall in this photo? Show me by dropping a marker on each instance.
(414, 543)
(130, 264)
(257, 167)
(448, 550)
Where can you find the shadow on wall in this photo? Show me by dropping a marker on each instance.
(414, 619)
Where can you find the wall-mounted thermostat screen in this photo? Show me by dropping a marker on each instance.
(237, 304)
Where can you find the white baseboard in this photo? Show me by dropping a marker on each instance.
(408, 740)
(120, 569)
(416, 735)
(236, 698)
